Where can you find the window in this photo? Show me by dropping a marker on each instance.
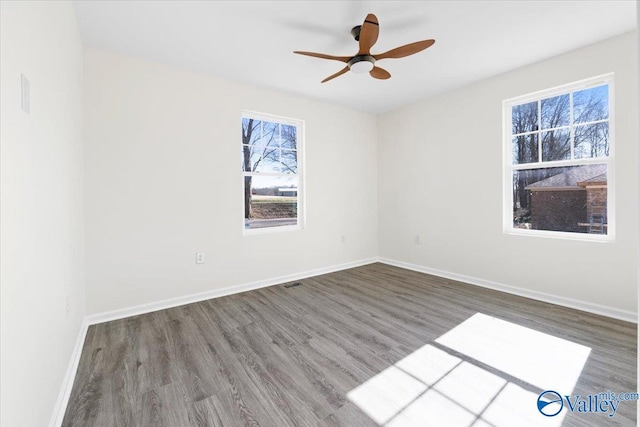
(558, 161)
(271, 171)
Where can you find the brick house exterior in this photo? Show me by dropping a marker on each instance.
(558, 210)
(568, 201)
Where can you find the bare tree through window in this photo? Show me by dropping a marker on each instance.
(270, 166)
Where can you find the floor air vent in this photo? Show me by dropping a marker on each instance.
(291, 285)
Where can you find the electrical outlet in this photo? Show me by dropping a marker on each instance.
(200, 258)
(416, 239)
(343, 238)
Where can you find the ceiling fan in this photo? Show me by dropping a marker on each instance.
(364, 61)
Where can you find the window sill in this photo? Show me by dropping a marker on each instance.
(270, 230)
(584, 237)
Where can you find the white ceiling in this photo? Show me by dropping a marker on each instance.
(252, 41)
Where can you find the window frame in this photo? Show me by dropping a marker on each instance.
(509, 167)
(300, 202)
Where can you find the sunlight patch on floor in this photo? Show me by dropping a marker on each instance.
(432, 386)
(480, 386)
(387, 394)
(542, 360)
(428, 364)
(434, 407)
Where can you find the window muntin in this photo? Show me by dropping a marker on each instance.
(271, 170)
(558, 171)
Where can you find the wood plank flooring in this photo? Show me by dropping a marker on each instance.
(291, 356)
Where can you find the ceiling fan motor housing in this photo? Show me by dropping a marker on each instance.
(355, 32)
(361, 63)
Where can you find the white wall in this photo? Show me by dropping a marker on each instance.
(42, 249)
(163, 181)
(440, 176)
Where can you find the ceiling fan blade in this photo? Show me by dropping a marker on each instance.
(324, 56)
(406, 50)
(368, 34)
(379, 73)
(333, 76)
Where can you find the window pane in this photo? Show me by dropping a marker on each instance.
(270, 134)
(555, 112)
(289, 160)
(251, 131)
(271, 162)
(245, 127)
(252, 158)
(555, 145)
(591, 141)
(571, 199)
(525, 148)
(591, 104)
(271, 201)
(524, 118)
(289, 137)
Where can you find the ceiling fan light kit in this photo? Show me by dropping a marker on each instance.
(365, 62)
(361, 63)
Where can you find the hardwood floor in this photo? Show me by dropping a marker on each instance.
(336, 351)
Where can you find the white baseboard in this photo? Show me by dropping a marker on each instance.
(69, 377)
(603, 310)
(217, 293)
